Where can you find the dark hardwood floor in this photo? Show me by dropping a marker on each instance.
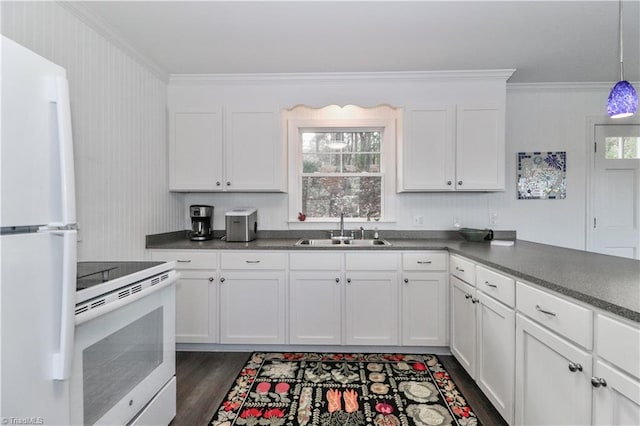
(205, 377)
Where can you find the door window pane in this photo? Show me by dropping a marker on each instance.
(622, 148)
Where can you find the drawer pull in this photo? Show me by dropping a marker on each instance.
(490, 285)
(596, 382)
(459, 269)
(252, 261)
(539, 309)
(183, 261)
(573, 367)
(424, 262)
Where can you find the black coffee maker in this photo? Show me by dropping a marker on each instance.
(201, 222)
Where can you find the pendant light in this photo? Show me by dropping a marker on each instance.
(623, 99)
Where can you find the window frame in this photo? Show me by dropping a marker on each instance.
(334, 118)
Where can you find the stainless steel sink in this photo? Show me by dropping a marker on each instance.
(328, 242)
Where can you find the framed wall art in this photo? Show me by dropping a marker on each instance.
(542, 175)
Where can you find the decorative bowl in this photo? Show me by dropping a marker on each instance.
(471, 234)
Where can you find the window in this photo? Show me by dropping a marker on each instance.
(622, 147)
(342, 159)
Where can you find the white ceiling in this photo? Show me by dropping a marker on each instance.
(546, 41)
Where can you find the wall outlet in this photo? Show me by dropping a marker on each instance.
(493, 218)
(418, 220)
(456, 222)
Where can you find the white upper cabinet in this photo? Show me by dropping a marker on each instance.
(458, 148)
(228, 149)
(195, 151)
(480, 148)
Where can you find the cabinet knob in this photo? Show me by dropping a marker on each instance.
(449, 182)
(474, 300)
(459, 182)
(338, 280)
(222, 279)
(596, 382)
(573, 367)
(467, 296)
(218, 183)
(349, 280)
(210, 279)
(406, 280)
(228, 183)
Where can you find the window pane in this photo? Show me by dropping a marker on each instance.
(321, 163)
(327, 196)
(618, 148)
(357, 163)
(325, 142)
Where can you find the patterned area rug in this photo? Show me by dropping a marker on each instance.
(343, 390)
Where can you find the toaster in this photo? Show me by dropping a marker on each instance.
(241, 224)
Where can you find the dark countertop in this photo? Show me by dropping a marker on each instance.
(607, 282)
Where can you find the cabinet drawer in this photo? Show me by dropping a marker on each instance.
(424, 261)
(369, 261)
(315, 261)
(188, 259)
(619, 343)
(253, 260)
(463, 269)
(496, 285)
(560, 315)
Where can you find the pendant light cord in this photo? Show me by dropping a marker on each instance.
(620, 34)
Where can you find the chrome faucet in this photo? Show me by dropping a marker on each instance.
(362, 232)
(342, 224)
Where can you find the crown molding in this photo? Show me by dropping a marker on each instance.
(456, 75)
(104, 29)
(563, 86)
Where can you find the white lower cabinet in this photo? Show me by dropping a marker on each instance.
(252, 307)
(463, 324)
(371, 307)
(552, 378)
(616, 396)
(315, 307)
(196, 294)
(424, 309)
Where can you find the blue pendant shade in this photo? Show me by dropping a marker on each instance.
(623, 100)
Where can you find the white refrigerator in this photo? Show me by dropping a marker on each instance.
(38, 239)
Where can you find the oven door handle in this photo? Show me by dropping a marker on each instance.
(112, 306)
(62, 358)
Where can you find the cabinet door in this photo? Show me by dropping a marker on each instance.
(617, 403)
(197, 307)
(463, 324)
(480, 148)
(253, 152)
(315, 310)
(252, 307)
(427, 150)
(372, 308)
(495, 362)
(195, 151)
(424, 309)
(547, 391)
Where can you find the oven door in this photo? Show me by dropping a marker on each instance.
(122, 359)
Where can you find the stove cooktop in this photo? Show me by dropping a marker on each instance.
(97, 278)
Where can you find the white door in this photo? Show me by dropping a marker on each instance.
(372, 308)
(615, 228)
(252, 307)
(197, 307)
(552, 378)
(314, 307)
(463, 324)
(618, 401)
(424, 309)
(495, 362)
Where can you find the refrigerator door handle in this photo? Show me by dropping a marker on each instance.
(62, 359)
(65, 144)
